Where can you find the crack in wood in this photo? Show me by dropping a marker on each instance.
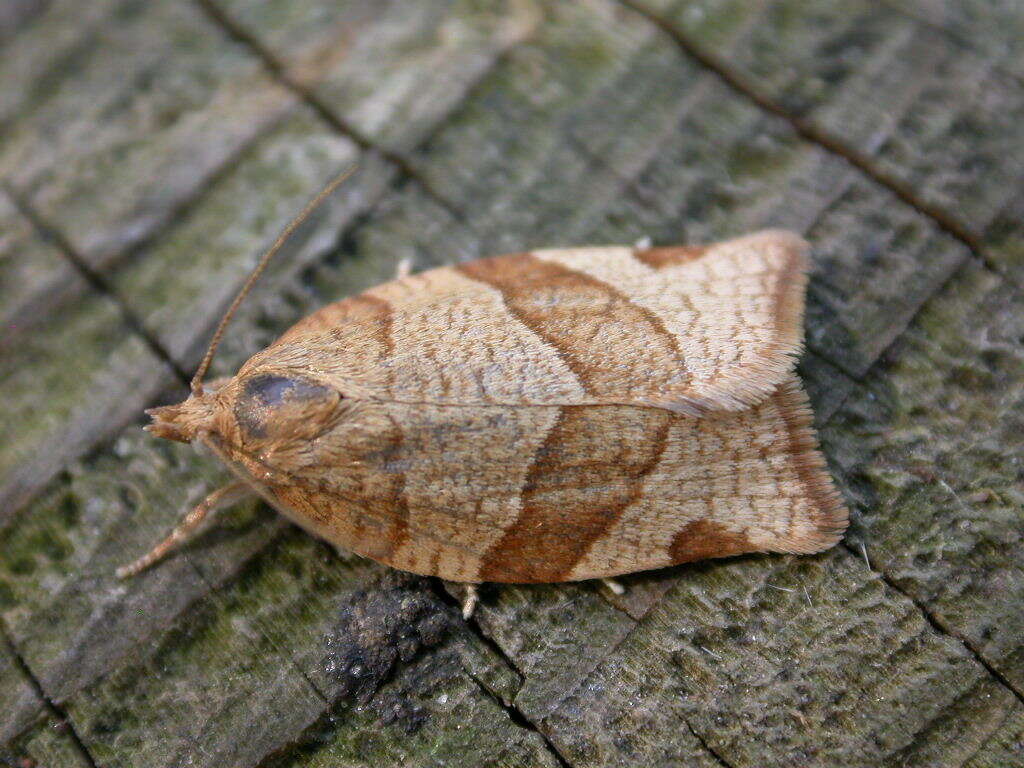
(474, 624)
(810, 131)
(937, 624)
(54, 710)
(97, 281)
(713, 752)
(36, 309)
(933, 620)
(516, 715)
(279, 71)
(491, 643)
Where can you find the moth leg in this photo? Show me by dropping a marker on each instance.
(469, 601)
(347, 554)
(221, 497)
(614, 587)
(404, 268)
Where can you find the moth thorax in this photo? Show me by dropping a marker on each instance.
(271, 407)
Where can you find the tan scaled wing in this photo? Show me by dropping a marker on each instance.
(563, 493)
(688, 329)
(564, 414)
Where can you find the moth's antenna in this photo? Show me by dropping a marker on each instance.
(197, 380)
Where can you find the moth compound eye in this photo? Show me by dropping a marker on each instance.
(276, 407)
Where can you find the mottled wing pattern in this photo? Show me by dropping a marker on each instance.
(732, 313)
(364, 310)
(687, 329)
(734, 482)
(493, 493)
(555, 415)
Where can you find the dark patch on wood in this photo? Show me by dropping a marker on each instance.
(387, 623)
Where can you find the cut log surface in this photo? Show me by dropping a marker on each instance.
(150, 150)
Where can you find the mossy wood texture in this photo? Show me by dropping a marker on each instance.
(151, 149)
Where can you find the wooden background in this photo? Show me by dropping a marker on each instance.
(150, 149)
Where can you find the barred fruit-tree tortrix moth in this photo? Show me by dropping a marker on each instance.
(549, 416)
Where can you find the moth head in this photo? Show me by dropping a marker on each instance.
(184, 421)
(253, 411)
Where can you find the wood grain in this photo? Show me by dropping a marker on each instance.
(595, 130)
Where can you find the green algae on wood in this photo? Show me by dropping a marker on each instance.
(918, 90)
(930, 447)
(591, 128)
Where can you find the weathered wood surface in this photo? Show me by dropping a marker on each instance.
(150, 150)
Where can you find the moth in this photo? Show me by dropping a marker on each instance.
(557, 415)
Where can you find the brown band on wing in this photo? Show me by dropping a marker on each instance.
(702, 539)
(787, 309)
(659, 258)
(589, 469)
(364, 309)
(830, 516)
(367, 511)
(303, 501)
(592, 326)
(385, 489)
